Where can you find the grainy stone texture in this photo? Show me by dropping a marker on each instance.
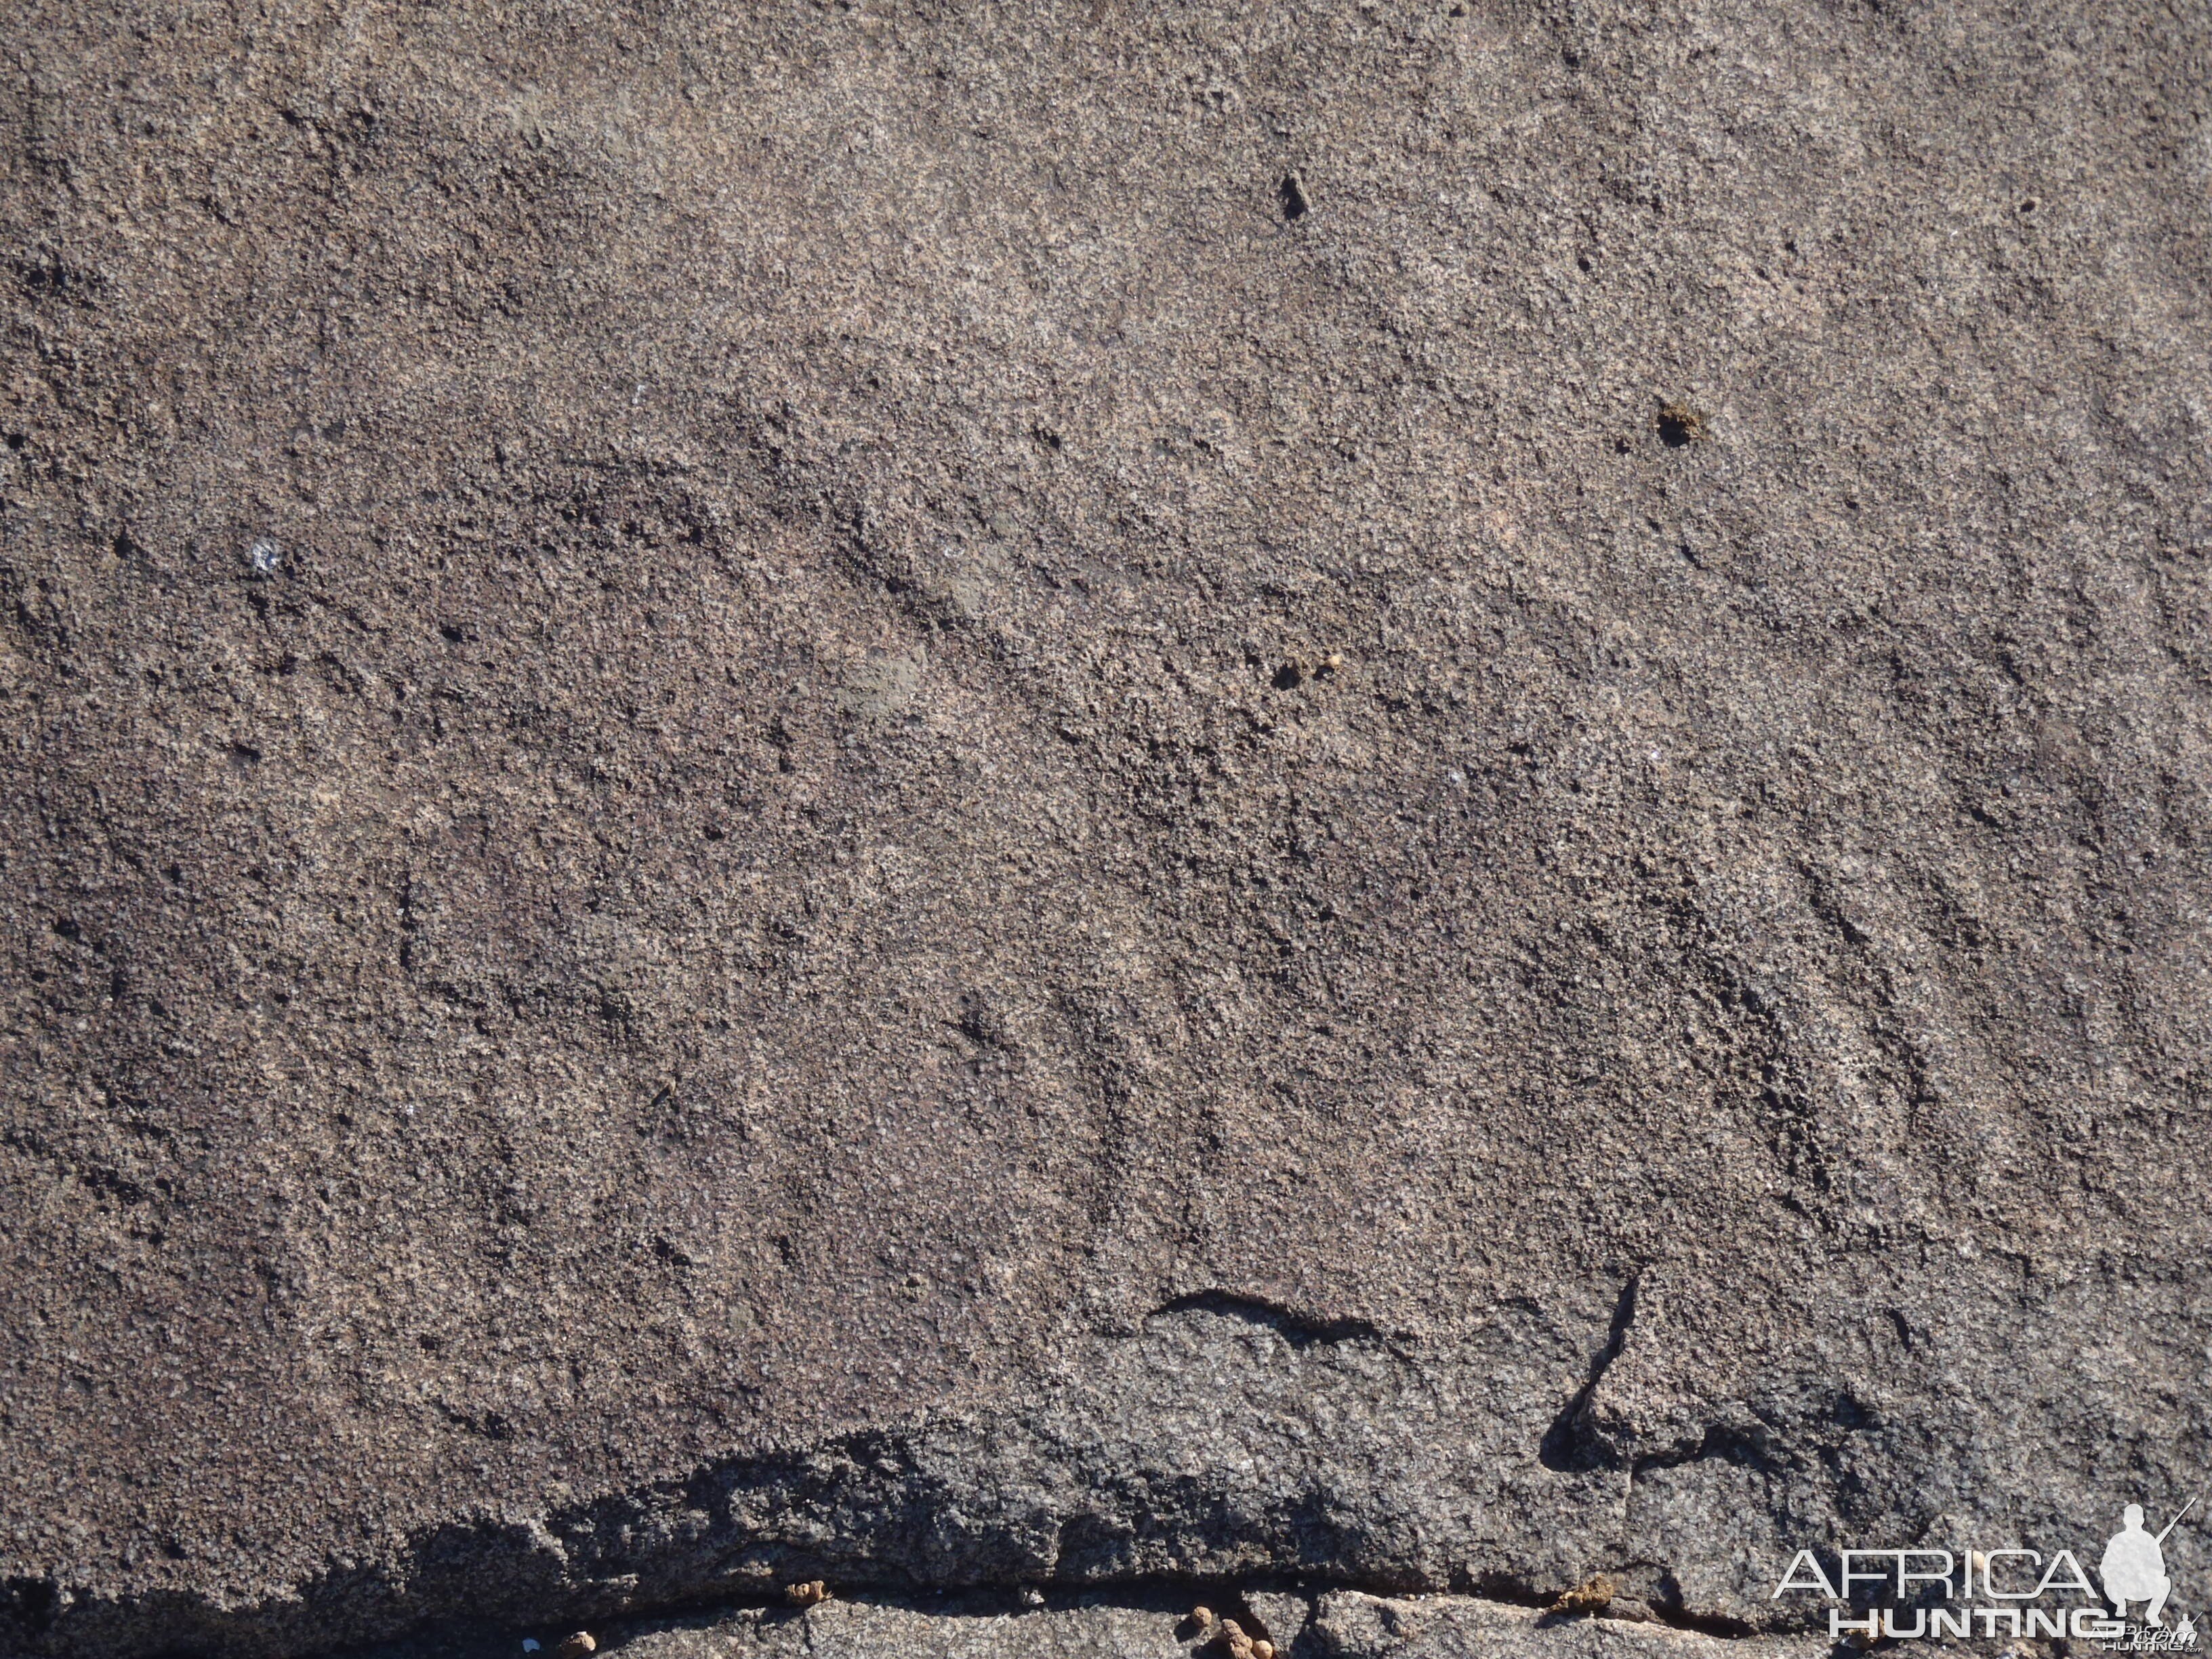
(1409, 794)
(1337, 1625)
(1347, 1625)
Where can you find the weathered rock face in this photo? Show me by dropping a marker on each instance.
(1407, 795)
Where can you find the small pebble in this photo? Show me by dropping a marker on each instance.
(1591, 1597)
(807, 1595)
(1032, 1597)
(1202, 1617)
(577, 1646)
(1263, 1648)
(530, 1645)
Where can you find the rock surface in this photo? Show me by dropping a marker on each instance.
(1411, 796)
(1337, 1625)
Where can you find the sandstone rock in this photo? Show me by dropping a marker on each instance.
(1397, 797)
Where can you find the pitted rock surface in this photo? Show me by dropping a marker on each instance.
(1407, 797)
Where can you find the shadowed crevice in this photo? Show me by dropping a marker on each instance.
(1297, 1328)
(1568, 1446)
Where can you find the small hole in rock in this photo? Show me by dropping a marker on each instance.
(1680, 425)
(1291, 193)
(1288, 677)
(452, 635)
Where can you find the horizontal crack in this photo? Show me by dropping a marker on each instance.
(1296, 1327)
(685, 1546)
(1103, 1486)
(1178, 1592)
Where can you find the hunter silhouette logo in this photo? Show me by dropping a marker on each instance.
(2134, 1567)
(1909, 1593)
